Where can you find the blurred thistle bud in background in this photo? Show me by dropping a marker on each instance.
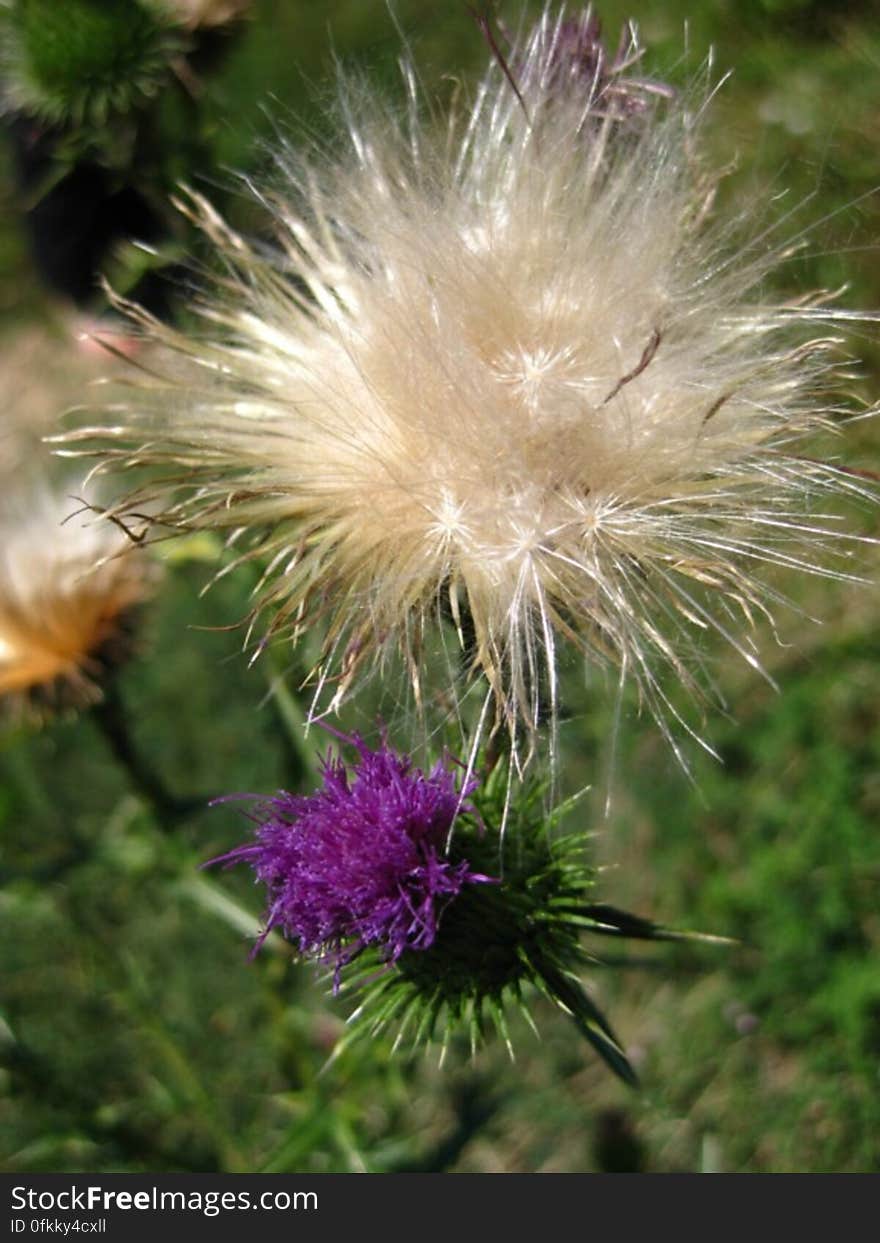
(83, 62)
(101, 101)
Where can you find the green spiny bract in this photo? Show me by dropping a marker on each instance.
(498, 945)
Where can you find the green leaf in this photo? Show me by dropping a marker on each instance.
(609, 921)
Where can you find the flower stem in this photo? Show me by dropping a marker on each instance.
(301, 751)
(111, 719)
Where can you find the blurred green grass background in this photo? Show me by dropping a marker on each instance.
(135, 1035)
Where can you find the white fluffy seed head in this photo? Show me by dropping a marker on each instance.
(505, 373)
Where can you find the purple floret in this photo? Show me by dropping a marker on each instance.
(361, 861)
(576, 61)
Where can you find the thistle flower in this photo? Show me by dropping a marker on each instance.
(505, 375)
(396, 875)
(69, 598)
(82, 61)
(360, 862)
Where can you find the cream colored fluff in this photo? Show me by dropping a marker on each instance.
(505, 372)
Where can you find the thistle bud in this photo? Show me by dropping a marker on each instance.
(82, 61)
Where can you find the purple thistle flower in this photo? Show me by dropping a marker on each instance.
(361, 861)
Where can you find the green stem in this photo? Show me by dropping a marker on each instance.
(111, 718)
(301, 750)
